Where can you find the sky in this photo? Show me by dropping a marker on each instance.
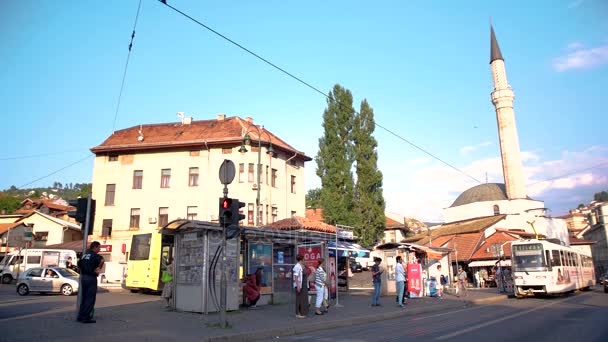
(422, 65)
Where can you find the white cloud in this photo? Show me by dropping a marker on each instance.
(468, 149)
(582, 59)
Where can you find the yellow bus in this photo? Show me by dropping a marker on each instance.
(148, 257)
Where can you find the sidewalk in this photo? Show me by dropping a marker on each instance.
(149, 321)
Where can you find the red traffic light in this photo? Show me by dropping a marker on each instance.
(226, 203)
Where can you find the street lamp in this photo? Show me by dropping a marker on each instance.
(269, 151)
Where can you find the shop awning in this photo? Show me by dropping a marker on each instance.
(430, 253)
(482, 263)
(345, 248)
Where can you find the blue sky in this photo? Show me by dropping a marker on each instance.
(422, 65)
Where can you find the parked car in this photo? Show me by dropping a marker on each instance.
(48, 280)
(355, 267)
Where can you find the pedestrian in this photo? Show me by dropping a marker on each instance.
(462, 282)
(253, 285)
(440, 278)
(320, 286)
(400, 280)
(477, 279)
(167, 279)
(300, 284)
(90, 266)
(377, 271)
(70, 265)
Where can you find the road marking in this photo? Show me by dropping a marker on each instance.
(482, 325)
(445, 313)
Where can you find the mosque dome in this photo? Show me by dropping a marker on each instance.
(482, 193)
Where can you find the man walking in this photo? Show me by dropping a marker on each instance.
(90, 265)
(300, 285)
(400, 279)
(462, 282)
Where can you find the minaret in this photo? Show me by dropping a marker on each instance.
(502, 98)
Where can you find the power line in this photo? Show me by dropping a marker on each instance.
(38, 155)
(570, 173)
(54, 172)
(124, 74)
(308, 85)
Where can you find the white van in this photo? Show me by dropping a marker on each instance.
(17, 262)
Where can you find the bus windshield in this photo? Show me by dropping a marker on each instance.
(528, 257)
(140, 247)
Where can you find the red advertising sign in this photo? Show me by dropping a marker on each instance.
(414, 279)
(105, 249)
(311, 255)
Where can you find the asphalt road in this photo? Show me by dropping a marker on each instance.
(577, 317)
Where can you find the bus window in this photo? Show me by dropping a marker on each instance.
(140, 247)
(50, 259)
(556, 259)
(33, 259)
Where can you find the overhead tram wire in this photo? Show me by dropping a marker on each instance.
(124, 74)
(38, 155)
(57, 171)
(164, 2)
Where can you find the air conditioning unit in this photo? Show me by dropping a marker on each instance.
(254, 186)
(152, 220)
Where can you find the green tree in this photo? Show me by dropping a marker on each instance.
(9, 204)
(601, 196)
(335, 158)
(580, 206)
(84, 190)
(368, 200)
(313, 198)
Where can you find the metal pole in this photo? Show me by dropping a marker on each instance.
(337, 274)
(223, 322)
(257, 200)
(85, 235)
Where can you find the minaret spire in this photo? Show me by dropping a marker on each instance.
(502, 98)
(494, 48)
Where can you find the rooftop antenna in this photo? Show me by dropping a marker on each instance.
(140, 138)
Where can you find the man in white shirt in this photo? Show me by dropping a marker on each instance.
(298, 283)
(400, 279)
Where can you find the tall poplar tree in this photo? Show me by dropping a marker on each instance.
(368, 199)
(335, 158)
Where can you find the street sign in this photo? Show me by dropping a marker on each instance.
(227, 172)
(28, 233)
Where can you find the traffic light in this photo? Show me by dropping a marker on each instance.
(225, 211)
(236, 215)
(80, 214)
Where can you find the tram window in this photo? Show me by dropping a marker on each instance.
(548, 259)
(556, 260)
(561, 258)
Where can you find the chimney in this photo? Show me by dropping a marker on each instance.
(249, 119)
(221, 117)
(187, 120)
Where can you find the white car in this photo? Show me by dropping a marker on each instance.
(48, 280)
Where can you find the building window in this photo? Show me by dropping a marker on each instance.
(195, 153)
(250, 214)
(110, 193)
(134, 221)
(266, 174)
(274, 214)
(496, 209)
(273, 178)
(106, 227)
(165, 178)
(193, 176)
(293, 184)
(163, 216)
(240, 213)
(138, 179)
(113, 157)
(241, 173)
(226, 150)
(267, 213)
(261, 215)
(191, 213)
(250, 173)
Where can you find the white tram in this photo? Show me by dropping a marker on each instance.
(544, 267)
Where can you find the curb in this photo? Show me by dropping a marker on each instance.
(314, 327)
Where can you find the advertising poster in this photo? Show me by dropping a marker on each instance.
(414, 280)
(311, 254)
(333, 278)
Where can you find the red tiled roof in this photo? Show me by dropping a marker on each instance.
(298, 223)
(460, 227)
(6, 226)
(391, 222)
(516, 232)
(464, 244)
(485, 249)
(440, 241)
(202, 133)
